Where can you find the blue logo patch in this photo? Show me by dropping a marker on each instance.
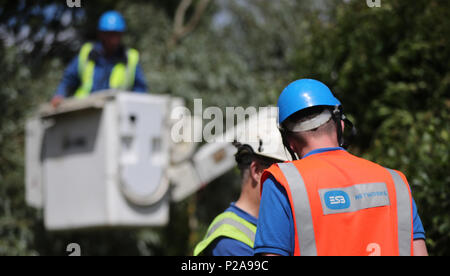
(337, 200)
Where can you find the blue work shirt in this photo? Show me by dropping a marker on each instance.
(224, 246)
(103, 67)
(275, 232)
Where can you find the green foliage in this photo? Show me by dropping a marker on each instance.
(19, 225)
(389, 66)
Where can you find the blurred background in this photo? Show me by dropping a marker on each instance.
(388, 65)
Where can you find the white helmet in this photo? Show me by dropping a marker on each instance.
(261, 134)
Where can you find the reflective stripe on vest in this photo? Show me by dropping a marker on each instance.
(302, 207)
(303, 216)
(404, 212)
(122, 77)
(85, 71)
(229, 225)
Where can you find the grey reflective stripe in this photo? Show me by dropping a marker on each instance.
(403, 214)
(241, 227)
(302, 209)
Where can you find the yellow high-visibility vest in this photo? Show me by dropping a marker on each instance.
(229, 225)
(122, 76)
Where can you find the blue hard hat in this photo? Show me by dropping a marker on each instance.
(302, 94)
(111, 21)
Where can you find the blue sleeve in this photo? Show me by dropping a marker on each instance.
(275, 228)
(230, 247)
(418, 231)
(140, 83)
(70, 80)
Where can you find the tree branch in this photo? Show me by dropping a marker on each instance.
(180, 29)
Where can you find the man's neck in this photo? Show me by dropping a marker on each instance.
(317, 145)
(106, 52)
(249, 200)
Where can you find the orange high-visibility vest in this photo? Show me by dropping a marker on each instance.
(345, 205)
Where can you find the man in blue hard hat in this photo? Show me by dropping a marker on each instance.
(328, 201)
(106, 64)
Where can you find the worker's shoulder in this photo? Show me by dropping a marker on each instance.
(365, 166)
(134, 50)
(362, 162)
(89, 45)
(233, 213)
(225, 246)
(336, 159)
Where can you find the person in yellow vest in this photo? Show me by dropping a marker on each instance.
(232, 233)
(101, 65)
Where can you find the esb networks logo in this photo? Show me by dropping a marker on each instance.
(337, 200)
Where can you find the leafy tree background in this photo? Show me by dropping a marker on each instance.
(388, 65)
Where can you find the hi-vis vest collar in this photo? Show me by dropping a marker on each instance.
(350, 207)
(122, 76)
(229, 225)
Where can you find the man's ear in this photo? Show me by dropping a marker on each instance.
(255, 172)
(291, 143)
